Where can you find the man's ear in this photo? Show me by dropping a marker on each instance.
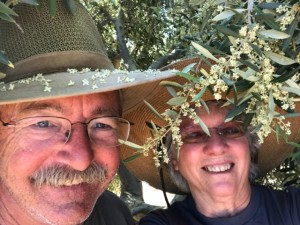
(175, 164)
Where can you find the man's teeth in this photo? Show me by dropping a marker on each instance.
(220, 168)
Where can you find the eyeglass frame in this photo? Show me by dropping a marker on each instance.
(14, 123)
(218, 129)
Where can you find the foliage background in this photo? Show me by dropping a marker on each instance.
(142, 34)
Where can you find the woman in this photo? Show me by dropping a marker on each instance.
(216, 171)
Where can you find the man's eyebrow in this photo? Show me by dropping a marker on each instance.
(41, 106)
(106, 111)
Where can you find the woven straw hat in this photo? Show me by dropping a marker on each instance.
(49, 45)
(271, 153)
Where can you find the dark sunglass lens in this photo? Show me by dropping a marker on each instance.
(194, 137)
(232, 131)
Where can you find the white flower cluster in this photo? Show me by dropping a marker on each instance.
(251, 59)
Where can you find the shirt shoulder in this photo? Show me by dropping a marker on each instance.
(110, 210)
(280, 206)
(176, 214)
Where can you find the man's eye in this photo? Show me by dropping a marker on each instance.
(102, 126)
(43, 124)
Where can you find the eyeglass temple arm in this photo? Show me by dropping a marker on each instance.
(5, 124)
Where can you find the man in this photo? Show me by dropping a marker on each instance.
(61, 131)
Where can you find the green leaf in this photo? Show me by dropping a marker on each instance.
(6, 17)
(170, 84)
(204, 51)
(175, 101)
(248, 119)
(272, 5)
(172, 91)
(4, 60)
(243, 85)
(150, 125)
(213, 50)
(248, 75)
(223, 15)
(227, 14)
(52, 7)
(133, 145)
(188, 76)
(271, 105)
(295, 144)
(226, 31)
(256, 96)
(291, 30)
(285, 77)
(251, 65)
(6, 10)
(237, 110)
(291, 90)
(171, 113)
(288, 115)
(292, 84)
(71, 6)
(153, 110)
(232, 41)
(268, 19)
(227, 80)
(2, 75)
(188, 68)
(256, 49)
(30, 2)
(133, 157)
(202, 124)
(203, 103)
(280, 132)
(199, 95)
(274, 34)
(280, 59)
(170, 87)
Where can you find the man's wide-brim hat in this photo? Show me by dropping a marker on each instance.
(271, 154)
(63, 55)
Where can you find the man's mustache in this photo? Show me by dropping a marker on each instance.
(61, 175)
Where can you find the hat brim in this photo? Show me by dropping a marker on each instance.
(271, 153)
(65, 84)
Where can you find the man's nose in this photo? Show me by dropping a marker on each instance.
(78, 152)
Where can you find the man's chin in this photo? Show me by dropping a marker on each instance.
(71, 204)
(65, 214)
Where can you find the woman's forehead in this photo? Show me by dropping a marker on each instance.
(216, 111)
(214, 107)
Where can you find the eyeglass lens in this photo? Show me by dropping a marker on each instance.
(102, 131)
(195, 134)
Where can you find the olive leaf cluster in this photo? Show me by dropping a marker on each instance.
(252, 49)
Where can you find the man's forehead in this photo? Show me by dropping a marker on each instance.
(97, 104)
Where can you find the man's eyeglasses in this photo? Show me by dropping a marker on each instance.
(195, 134)
(50, 130)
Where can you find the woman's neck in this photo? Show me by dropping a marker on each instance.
(224, 206)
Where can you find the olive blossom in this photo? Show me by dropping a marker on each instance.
(254, 59)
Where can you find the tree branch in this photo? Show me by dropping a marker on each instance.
(124, 52)
(164, 60)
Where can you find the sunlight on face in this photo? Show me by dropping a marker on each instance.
(219, 164)
(72, 200)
